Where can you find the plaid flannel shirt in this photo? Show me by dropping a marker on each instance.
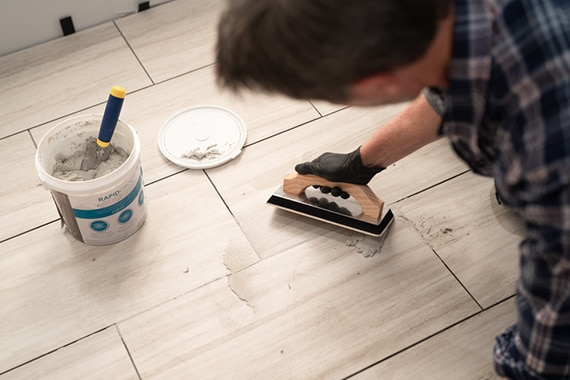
(507, 114)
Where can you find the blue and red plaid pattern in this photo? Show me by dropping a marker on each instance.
(508, 116)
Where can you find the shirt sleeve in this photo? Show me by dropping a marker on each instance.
(436, 99)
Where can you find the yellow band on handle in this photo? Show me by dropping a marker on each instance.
(102, 144)
(118, 92)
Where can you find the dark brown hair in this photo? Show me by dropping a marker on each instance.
(316, 49)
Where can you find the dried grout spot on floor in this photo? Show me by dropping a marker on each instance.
(366, 245)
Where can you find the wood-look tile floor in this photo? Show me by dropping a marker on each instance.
(217, 283)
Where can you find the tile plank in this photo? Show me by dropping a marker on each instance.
(55, 290)
(100, 356)
(175, 38)
(319, 310)
(462, 352)
(57, 78)
(476, 237)
(24, 203)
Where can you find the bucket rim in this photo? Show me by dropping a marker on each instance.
(92, 184)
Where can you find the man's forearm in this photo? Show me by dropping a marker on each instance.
(416, 126)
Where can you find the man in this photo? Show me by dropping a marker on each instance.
(491, 75)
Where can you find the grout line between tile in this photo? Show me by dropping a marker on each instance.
(134, 53)
(427, 338)
(458, 280)
(54, 350)
(288, 130)
(184, 73)
(28, 231)
(431, 187)
(315, 108)
(174, 298)
(128, 351)
(219, 194)
(50, 121)
(32, 137)
(232, 214)
(165, 177)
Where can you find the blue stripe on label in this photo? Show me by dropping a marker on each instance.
(110, 210)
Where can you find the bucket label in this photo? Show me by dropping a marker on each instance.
(107, 197)
(112, 209)
(114, 215)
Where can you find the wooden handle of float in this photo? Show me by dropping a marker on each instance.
(295, 183)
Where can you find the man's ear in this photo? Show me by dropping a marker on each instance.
(381, 88)
(381, 85)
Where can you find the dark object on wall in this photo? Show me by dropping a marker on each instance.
(144, 6)
(67, 25)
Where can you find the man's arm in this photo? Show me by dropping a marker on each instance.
(416, 126)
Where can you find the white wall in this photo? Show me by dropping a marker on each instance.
(25, 23)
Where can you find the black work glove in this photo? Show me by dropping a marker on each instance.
(338, 167)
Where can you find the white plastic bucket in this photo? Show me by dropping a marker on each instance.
(103, 210)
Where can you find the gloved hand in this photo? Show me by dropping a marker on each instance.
(338, 167)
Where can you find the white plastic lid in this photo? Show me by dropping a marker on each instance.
(202, 137)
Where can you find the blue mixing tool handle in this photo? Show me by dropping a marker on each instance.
(111, 116)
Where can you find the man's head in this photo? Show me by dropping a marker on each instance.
(318, 49)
